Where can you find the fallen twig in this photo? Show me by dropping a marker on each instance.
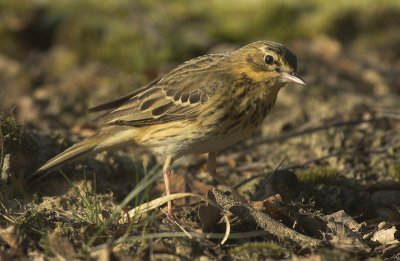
(270, 225)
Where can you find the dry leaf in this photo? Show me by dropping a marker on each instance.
(341, 236)
(342, 217)
(387, 236)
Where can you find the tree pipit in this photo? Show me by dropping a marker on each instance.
(201, 106)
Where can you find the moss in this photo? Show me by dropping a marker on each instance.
(320, 175)
(256, 251)
(394, 171)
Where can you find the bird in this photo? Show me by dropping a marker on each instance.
(202, 106)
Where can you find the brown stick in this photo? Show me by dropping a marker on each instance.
(270, 225)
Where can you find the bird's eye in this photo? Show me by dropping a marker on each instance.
(268, 59)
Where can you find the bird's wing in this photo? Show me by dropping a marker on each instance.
(179, 95)
(121, 100)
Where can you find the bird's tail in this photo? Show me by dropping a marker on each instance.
(103, 140)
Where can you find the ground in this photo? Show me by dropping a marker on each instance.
(321, 176)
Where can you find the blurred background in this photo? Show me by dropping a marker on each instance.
(57, 58)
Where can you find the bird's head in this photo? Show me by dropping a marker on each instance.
(268, 62)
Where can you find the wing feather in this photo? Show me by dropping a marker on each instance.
(121, 100)
(178, 95)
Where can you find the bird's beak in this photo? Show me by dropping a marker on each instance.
(292, 78)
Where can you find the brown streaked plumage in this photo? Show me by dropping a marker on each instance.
(202, 106)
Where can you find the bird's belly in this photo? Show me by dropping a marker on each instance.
(219, 142)
(178, 147)
(199, 142)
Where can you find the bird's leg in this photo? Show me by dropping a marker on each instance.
(167, 174)
(212, 169)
